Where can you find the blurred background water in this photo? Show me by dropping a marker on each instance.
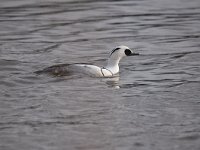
(153, 105)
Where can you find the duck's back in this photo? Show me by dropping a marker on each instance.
(70, 69)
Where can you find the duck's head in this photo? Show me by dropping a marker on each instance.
(120, 52)
(116, 55)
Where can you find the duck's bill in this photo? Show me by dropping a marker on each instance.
(133, 54)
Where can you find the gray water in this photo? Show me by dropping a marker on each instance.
(154, 104)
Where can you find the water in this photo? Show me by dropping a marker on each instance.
(154, 104)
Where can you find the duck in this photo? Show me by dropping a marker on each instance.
(109, 70)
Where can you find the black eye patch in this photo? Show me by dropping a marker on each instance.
(127, 52)
(114, 50)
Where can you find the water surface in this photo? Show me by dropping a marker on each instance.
(154, 104)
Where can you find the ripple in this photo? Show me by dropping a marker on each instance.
(39, 123)
(189, 137)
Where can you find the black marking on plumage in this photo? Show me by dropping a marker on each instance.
(114, 50)
(108, 70)
(102, 71)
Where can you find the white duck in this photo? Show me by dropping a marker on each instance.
(111, 69)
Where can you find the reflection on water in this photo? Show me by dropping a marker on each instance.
(153, 104)
(113, 82)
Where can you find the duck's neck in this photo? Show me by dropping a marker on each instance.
(113, 65)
